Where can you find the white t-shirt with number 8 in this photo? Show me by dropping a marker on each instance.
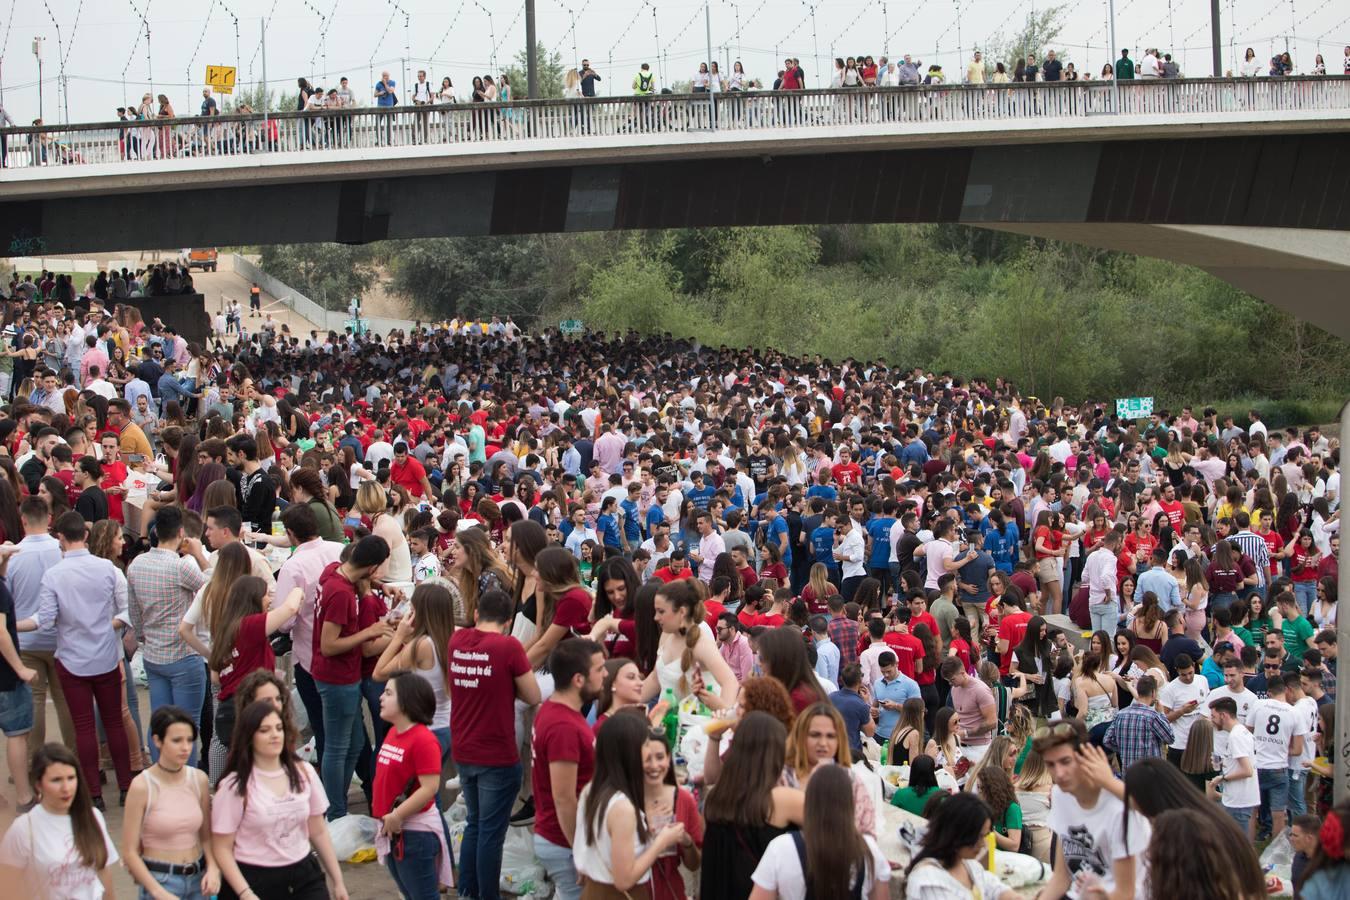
(1274, 724)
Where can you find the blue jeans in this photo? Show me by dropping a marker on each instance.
(1306, 593)
(370, 692)
(1298, 791)
(1105, 617)
(184, 887)
(557, 862)
(309, 696)
(344, 733)
(1242, 817)
(181, 684)
(415, 874)
(1221, 601)
(489, 792)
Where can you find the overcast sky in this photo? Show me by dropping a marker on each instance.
(104, 40)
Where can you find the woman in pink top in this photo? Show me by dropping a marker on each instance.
(267, 821)
(166, 832)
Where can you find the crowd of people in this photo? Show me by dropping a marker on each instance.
(530, 562)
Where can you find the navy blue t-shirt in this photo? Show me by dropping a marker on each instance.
(855, 712)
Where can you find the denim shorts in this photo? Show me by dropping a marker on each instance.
(16, 711)
(1274, 788)
(184, 887)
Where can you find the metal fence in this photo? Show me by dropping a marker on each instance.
(325, 135)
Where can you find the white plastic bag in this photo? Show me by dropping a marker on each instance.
(1279, 852)
(299, 715)
(521, 872)
(351, 834)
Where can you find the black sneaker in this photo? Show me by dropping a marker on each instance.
(100, 805)
(524, 815)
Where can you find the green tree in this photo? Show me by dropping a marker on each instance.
(329, 274)
(550, 73)
(1037, 34)
(258, 98)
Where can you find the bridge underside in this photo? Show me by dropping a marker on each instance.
(1268, 212)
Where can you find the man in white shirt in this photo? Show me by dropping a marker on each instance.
(99, 385)
(1182, 701)
(1095, 848)
(1234, 687)
(1279, 733)
(710, 546)
(1099, 573)
(941, 552)
(851, 554)
(1241, 793)
(1301, 762)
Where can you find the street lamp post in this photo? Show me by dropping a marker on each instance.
(37, 51)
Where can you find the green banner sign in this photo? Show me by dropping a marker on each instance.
(570, 326)
(1134, 407)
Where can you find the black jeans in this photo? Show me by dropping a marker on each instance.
(298, 881)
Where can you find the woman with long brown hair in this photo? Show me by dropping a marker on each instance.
(61, 847)
(563, 606)
(819, 737)
(782, 655)
(474, 568)
(747, 809)
(419, 645)
(239, 640)
(267, 823)
(233, 562)
(1149, 628)
(687, 644)
(830, 856)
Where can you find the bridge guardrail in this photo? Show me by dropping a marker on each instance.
(325, 133)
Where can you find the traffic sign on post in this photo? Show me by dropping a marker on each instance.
(220, 78)
(570, 326)
(1134, 407)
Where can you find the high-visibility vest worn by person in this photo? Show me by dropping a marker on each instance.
(644, 83)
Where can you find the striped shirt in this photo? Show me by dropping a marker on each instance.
(160, 588)
(1254, 547)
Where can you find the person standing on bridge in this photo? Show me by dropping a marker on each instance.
(588, 79)
(644, 82)
(1125, 66)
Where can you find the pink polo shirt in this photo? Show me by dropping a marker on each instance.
(303, 570)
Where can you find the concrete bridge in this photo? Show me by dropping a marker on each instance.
(1247, 178)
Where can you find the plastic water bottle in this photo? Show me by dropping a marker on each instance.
(671, 720)
(277, 528)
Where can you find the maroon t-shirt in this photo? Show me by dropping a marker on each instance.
(251, 652)
(560, 735)
(483, 672)
(336, 602)
(371, 609)
(573, 612)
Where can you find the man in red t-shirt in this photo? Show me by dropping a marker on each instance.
(337, 665)
(563, 746)
(406, 471)
(488, 673)
(114, 473)
(676, 567)
(1169, 504)
(907, 647)
(1012, 626)
(846, 471)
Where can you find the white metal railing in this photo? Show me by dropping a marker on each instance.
(141, 144)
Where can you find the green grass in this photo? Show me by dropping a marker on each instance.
(1303, 412)
(79, 279)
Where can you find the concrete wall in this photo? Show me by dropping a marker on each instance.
(327, 319)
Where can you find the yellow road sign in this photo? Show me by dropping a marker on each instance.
(221, 78)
